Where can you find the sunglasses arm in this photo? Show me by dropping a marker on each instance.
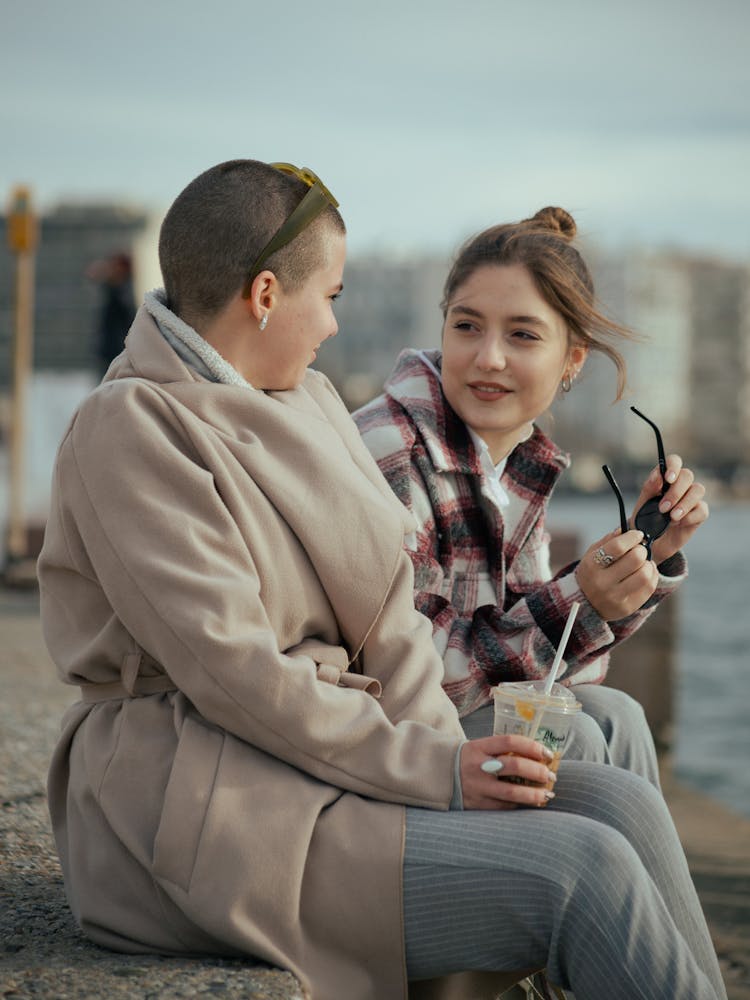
(659, 445)
(620, 501)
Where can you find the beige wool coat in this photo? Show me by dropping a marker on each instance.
(223, 575)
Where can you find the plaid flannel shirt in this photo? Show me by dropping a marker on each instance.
(482, 573)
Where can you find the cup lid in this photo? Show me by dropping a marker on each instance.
(559, 699)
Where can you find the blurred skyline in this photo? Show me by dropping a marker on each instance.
(428, 121)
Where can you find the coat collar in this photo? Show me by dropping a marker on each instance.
(414, 384)
(303, 451)
(189, 344)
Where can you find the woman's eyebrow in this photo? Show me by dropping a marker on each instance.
(466, 309)
(469, 311)
(533, 320)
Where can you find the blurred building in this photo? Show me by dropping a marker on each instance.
(66, 305)
(389, 303)
(720, 367)
(649, 293)
(691, 373)
(66, 312)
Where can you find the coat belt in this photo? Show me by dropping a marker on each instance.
(116, 689)
(331, 664)
(131, 684)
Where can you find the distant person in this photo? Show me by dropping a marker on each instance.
(117, 310)
(454, 434)
(263, 762)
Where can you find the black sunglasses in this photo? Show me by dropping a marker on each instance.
(649, 519)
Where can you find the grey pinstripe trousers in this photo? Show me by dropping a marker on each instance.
(595, 887)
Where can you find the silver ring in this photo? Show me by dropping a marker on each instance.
(602, 559)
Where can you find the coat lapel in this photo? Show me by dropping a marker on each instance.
(349, 524)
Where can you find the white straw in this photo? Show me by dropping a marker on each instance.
(561, 648)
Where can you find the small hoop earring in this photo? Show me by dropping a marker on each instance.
(264, 322)
(566, 383)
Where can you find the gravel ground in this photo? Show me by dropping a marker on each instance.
(43, 955)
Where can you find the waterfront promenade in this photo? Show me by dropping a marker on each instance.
(42, 955)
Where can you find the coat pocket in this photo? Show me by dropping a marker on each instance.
(186, 801)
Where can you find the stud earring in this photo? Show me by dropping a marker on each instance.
(264, 321)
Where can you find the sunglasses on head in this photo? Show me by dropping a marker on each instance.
(315, 200)
(648, 519)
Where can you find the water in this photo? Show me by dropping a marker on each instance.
(712, 699)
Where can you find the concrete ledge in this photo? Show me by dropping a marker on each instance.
(717, 845)
(44, 955)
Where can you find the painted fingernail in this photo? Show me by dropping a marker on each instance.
(551, 776)
(492, 766)
(549, 795)
(670, 477)
(665, 505)
(677, 512)
(546, 752)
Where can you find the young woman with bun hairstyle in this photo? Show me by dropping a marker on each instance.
(454, 433)
(263, 763)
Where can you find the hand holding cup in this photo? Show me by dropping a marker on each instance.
(522, 760)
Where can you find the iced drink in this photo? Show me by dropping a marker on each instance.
(522, 707)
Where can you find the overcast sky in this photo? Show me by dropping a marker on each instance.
(428, 120)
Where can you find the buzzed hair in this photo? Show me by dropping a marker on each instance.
(217, 227)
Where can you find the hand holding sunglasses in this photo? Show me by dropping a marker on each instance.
(615, 574)
(670, 507)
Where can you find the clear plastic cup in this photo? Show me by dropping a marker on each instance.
(522, 707)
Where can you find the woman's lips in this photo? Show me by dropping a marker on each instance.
(488, 391)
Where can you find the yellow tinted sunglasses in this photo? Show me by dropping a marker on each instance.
(316, 199)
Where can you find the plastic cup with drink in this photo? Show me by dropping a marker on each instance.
(541, 710)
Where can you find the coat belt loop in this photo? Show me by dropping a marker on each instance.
(327, 672)
(131, 664)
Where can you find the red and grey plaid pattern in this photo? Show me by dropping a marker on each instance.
(482, 574)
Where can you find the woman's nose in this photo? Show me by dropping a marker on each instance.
(491, 355)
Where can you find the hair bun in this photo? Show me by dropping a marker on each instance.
(556, 220)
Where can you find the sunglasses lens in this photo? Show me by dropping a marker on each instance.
(650, 519)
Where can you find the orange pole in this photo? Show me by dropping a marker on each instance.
(23, 347)
(22, 239)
